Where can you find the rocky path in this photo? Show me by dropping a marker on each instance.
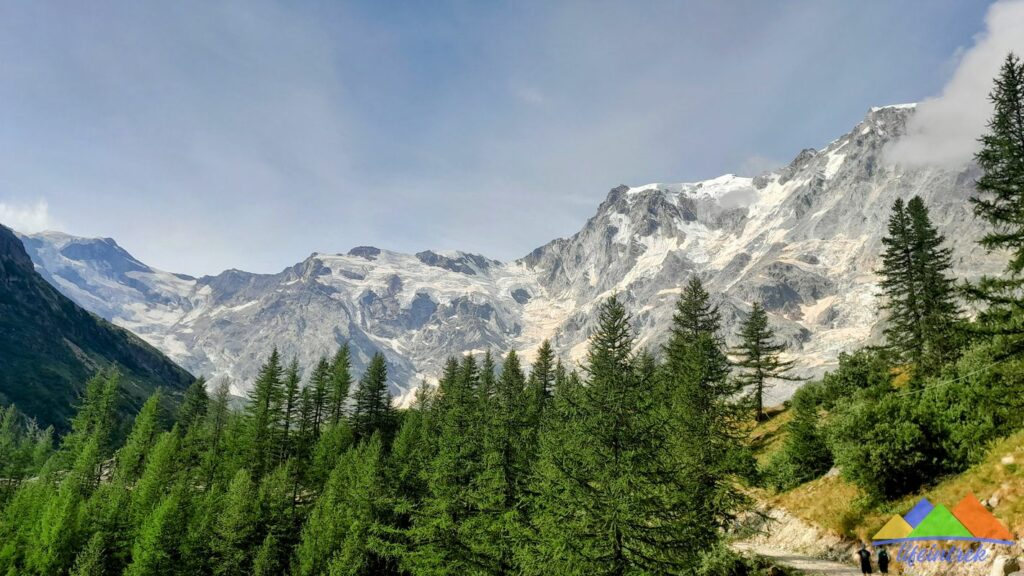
(801, 562)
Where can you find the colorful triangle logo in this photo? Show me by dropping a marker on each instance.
(896, 528)
(979, 521)
(918, 513)
(940, 523)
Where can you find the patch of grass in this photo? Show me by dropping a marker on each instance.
(766, 438)
(837, 505)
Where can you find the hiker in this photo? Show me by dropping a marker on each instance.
(883, 561)
(865, 559)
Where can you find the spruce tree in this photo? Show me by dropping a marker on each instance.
(91, 560)
(901, 286)
(193, 405)
(758, 357)
(233, 532)
(341, 381)
(497, 520)
(263, 415)
(319, 384)
(611, 494)
(290, 408)
(131, 456)
(157, 549)
(706, 422)
(542, 382)
(920, 295)
(440, 542)
(373, 411)
(1000, 200)
(940, 313)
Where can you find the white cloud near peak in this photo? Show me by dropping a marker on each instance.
(945, 129)
(27, 218)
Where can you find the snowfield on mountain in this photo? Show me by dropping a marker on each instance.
(804, 240)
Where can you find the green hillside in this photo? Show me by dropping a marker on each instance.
(50, 347)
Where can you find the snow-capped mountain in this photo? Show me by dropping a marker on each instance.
(804, 240)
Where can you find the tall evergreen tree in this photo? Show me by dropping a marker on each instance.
(901, 286)
(940, 313)
(157, 550)
(758, 357)
(234, 531)
(131, 456)
(341, 381)
(1000, 200)
(290, 408)
(920, 295)
(542, 381)
(91, 561)
(440, 542)
(319, 385)
(193, 406)
(373, 411)
(344, 523)
(611, 494)
(263, 415)
(706, 422)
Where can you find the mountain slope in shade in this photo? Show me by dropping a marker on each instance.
(50, 346)
(804, 240)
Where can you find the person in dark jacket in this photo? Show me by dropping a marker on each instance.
(865, 559)
(883, 560)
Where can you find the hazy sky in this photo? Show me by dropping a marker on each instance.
(209, 135)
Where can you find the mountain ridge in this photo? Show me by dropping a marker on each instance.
(51, 346)
(802, 239)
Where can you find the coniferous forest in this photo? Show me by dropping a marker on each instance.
(633, 462)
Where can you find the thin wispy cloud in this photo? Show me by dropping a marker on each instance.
(27, 218)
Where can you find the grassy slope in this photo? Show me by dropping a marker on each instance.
(838, 505)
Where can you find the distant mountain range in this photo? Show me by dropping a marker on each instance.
(50, 347)
(804, 240)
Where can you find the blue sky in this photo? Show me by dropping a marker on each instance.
(210, 135)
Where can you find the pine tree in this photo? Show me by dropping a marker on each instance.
(232, 538)
(542, 382)
(193, 405)
(91, 561)
(706, 424)
(920, 296)
(940, 313)
(131, 456)
(1000, 199)
(611, 495)
(345, 518)
(263, 414)
(758, 357)
(440, 542)
(319, 383)
(373, 411)
(290, 408)
(157, 549)
(501, 485)
(341, 381)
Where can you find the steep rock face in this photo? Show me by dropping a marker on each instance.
(50, 347)
(804, 240)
